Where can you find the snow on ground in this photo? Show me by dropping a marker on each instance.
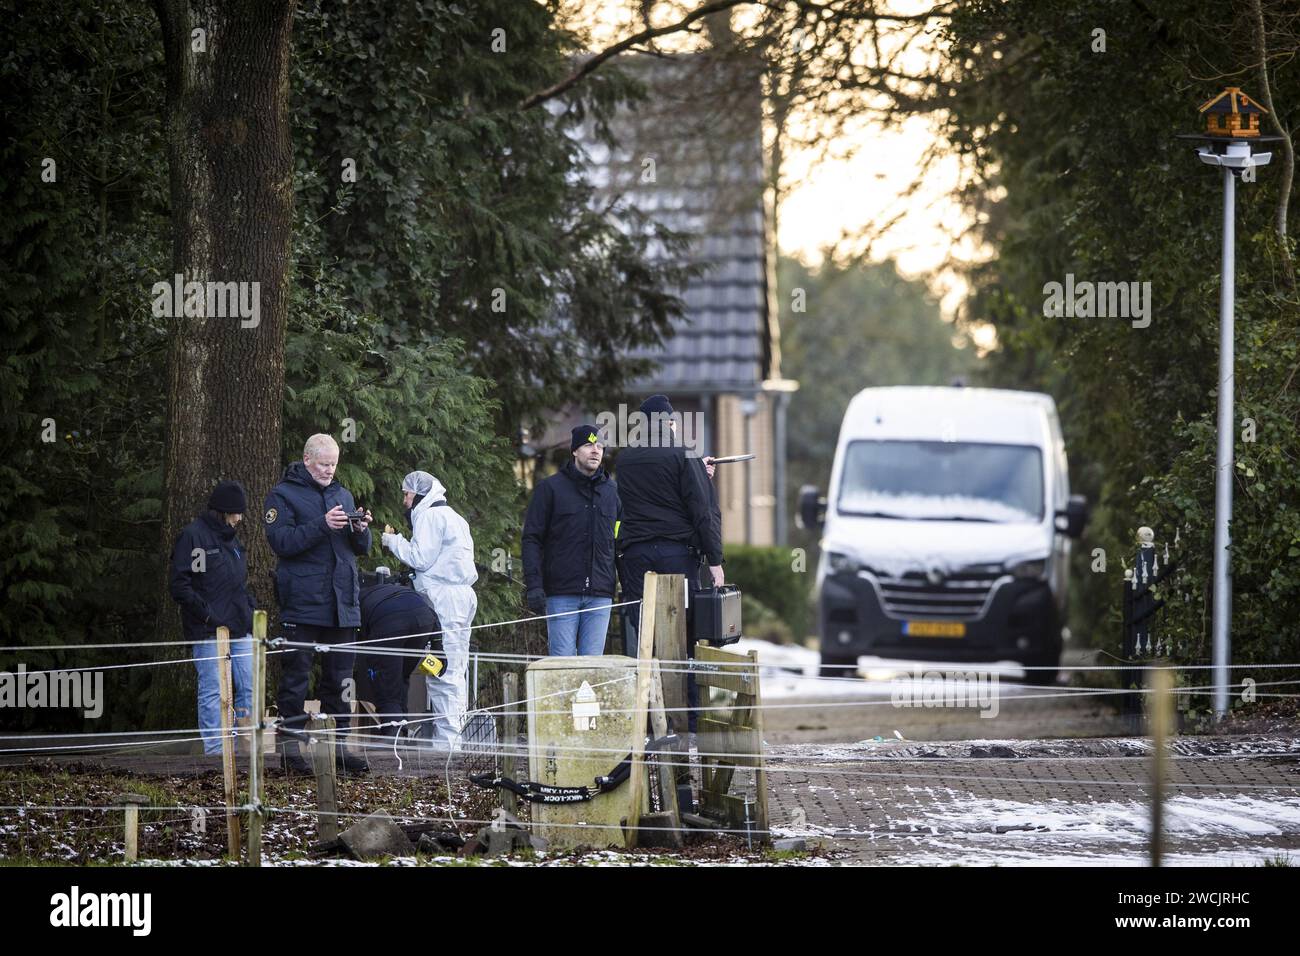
(949, 854)
(791, 670)
(1201, 831)
(1109, 821)
(963, 830)
(596, 858)
(1081, 748)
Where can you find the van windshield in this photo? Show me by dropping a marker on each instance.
(942, 481)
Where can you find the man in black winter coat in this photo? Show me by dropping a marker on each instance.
(393, 617)
(670, 525)
(209, 580)
(308, 524)
(568, 548)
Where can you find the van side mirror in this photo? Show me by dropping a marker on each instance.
(1074, 517)
(812, 508)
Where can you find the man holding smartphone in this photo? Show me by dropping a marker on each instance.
(317, 531)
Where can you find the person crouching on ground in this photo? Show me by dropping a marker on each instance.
(394, 618)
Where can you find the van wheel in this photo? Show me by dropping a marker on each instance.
(838, 666)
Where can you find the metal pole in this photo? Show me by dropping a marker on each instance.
(781, 404)
(1222, 609)
(748, 415)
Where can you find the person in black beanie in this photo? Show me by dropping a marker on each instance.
(569, 535)
(671, 523)
(668, 503)
(209, 580)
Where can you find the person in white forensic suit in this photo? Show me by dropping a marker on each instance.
(441, 553)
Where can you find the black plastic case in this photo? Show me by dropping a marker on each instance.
(715, 615)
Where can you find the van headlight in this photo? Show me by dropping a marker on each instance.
(839, 563)
(1035, 569)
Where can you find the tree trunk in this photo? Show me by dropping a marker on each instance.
(226, 123)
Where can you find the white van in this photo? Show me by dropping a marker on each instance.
(946, 530)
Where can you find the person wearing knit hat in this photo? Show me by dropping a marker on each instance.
(229, 498)
(670, 525)
(209, 580)
(656, 405)
(569, 536)
(583, 435)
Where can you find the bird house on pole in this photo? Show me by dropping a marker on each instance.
(1227, 140)
(1231, 115)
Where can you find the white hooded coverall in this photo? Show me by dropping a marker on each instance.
(441, 553)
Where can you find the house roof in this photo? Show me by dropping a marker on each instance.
(1231, 100)
(690, 156)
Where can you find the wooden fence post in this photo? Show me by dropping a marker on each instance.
(670, 641)
(731, 738)
(322, 757)
(665, 760)
(1161, 714)
(760, 772)
(510, 735)
(255, 760)
(670, 647)
(233, 841)
(131, 834)
(641, 704)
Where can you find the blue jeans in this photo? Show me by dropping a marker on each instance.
(241, 674)
(577, 633)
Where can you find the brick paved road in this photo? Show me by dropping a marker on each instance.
(1231, 800)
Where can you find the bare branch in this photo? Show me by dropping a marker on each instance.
(828, 10)
(592, 63)
(1288, 150)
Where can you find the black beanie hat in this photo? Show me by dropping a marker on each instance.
(657, 404)
(584, 435)
(228, 498)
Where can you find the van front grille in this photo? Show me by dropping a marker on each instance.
(956, 598)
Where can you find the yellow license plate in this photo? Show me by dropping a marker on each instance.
(934, 628)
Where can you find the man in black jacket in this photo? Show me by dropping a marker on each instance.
(308, 525)
(393, 617)
(668, 512)
(209, 580)
(671, 523)
(568, 548)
